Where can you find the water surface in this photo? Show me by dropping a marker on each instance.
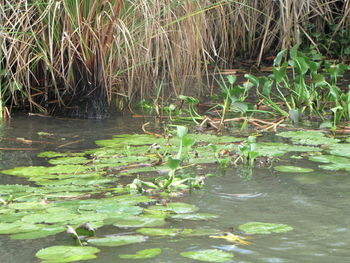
(316, 204)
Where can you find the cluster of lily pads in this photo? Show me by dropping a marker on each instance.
(90, 189)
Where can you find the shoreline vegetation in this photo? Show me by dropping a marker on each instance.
(82, 58)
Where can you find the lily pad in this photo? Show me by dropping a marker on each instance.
(163, 231)
(42, 232)
(264, 228)
(115, 241)
(208, 255)
(176, 207)
(198, 216)
(341, 149)
(143, 254)
(308, 137)
(272, 149)
(69, 160)
(66, 253)
(329, 159)
(140, 221)
(292, 169)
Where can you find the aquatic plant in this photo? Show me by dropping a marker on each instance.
(303, 85)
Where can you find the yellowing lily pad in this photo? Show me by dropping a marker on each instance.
(292, 169)
(264, 228)
(143, 254)
(208, 255)
(66, 253)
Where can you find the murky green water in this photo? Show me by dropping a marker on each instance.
(315, 204)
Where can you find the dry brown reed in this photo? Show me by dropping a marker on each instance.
(85, 54)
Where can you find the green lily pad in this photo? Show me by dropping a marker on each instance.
(264, 228)
(66, 253)
(28, 206)
(114, 241)
(198, 216)
(140, 221)
(69, 160)
(308, 137)
(336, 166)
(272, 149)
(52, 154)
(208, 255)
(341, 149)
(143, 254)
(329, 159)
(176, 207)
(42, 232)
(53, 217)
(163, 231)
(292, 169)
(17, 227)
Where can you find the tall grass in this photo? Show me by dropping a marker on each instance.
(84, 55)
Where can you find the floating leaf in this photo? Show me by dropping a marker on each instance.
(329, 159)
(143, 254)
(176, 207)
(42, 232)
(141, 221)
(69, 160)
(342, 149)
(198, 216)
(114, 241)
(278, 149)
(264, 228)
(308, 137)
(163, 231)
(292, 169)
(208, 255)
(66, 253)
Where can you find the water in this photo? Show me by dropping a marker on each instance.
(316, 205)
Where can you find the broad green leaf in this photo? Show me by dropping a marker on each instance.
(173, 164)
(231, 79)
(308, 137)
(278, 59)
(66, 253)
(264, 228)
(175, 207)
(140, 221)
(254, 80)
(208, 255)
(198, 216)
(115, 241)
(143, 254)
(181, 131)
(292, 169)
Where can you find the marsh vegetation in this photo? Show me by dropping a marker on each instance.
(243, 110)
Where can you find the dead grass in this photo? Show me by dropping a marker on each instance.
(84, 53)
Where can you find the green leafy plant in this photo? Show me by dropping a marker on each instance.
(247, 152)
(192, 102)
(234, 96)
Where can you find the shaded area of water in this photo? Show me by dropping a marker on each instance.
(316, 204)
